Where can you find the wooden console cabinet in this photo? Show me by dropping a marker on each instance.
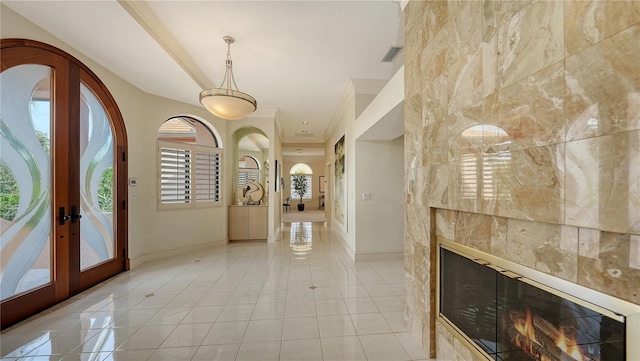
(248, 222)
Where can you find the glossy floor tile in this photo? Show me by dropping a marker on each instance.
(300, 300)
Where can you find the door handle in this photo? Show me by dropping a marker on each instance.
(74, 214)
(63, 218)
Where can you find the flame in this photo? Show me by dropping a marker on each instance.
(569, 346)
(527, 335)
(526, 338)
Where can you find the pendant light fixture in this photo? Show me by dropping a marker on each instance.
(224, 101)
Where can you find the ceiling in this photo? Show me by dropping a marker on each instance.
(295, 57)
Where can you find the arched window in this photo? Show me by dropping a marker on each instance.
(190, 164)
(248, 169)
(302, 169)
(481, 169)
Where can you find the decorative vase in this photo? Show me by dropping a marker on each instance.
(300, 207)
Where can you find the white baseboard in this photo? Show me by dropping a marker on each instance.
(344, 245)
(134, 262)
(354, 255)
(274, 237)
(387, 256)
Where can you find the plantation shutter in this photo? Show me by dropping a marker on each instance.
(189, 174)
(245, 176)
(486, 171)
(207, 174)
(175, 174)
(469, 172)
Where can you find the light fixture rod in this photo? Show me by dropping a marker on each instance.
(228, 74)
(224, 101)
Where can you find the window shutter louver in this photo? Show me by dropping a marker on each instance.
(469, 176)
(175, 175)
(207, 177)
(484, 172)
(189, 174)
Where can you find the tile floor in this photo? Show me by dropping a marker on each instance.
(297, 299)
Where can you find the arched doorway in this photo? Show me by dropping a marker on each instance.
(63, 158)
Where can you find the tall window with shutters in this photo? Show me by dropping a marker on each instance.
(248, 169)
(189, 164)
(484, 161)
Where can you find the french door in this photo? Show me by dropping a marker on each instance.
(63, 209)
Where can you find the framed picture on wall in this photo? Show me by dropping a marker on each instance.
(339, 188)
(277, 176)
(322, 184)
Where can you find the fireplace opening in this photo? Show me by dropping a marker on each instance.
(510, 318)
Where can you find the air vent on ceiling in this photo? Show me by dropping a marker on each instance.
(305, 134)
(391, 54)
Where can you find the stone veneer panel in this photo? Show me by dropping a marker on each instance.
(460, 352)
(497, 13)
(436, 142)
(499, 231)
(610, 264)
(552, 90)
(437, 193)
(434, 18)
(433, 60)
(473, 230)
(446, 221)
(464, 56)
(413, 114)
(459, 144)
(588, 22)
(603, 182)
(444, 343)
(603, 87)
(530, 41)
(531, 110)
(549, 248)
(434, 107)
(531, 185)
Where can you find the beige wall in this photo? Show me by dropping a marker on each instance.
(365, 105)
(562, 78)
(153, 233)
(379, 219)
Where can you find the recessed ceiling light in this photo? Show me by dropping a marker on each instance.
(305, 123)
(304, 131)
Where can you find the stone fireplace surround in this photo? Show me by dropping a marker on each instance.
(561, 80)
(624, 314)
(598, 260)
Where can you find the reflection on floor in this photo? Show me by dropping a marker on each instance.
(297, 299)
(309, 215)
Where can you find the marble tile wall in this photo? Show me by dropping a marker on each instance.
(522, 139)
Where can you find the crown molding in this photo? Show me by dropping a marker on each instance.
(347, 97)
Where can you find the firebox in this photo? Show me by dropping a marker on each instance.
(509, 312)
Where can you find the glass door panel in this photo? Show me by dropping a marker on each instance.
(96, 182)
(25, 179)
(59, 180)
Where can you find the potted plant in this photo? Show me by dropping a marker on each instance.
(299, 184)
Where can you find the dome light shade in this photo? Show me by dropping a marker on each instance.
(224, 101)
(228, 103)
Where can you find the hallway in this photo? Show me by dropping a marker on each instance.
(299, 298)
